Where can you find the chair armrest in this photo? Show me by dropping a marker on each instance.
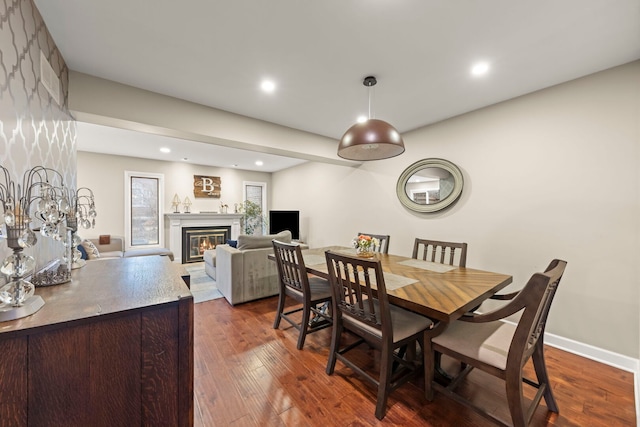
(505, 297)
(534, 286)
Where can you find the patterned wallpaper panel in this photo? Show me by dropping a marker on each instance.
(34, 129)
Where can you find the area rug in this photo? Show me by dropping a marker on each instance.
(203, 287)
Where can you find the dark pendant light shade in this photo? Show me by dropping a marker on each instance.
(372, 140)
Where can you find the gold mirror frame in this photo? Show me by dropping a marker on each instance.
(423, 164)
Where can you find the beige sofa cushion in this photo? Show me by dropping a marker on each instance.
(258, 242)
(114, 249)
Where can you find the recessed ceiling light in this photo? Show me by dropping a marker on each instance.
(362, 119)
(480, 68)
(165, 150)
(259, 163)
(268, 86)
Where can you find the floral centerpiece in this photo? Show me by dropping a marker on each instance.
(365, 245)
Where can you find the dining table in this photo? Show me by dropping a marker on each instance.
(441, 292)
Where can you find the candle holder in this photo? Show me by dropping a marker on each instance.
(37, 192)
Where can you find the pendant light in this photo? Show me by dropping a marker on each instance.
(371, 140)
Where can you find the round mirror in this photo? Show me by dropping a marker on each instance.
(429, 185)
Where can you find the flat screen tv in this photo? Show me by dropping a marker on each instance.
(285, 220)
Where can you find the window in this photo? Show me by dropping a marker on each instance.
(143, 205)
(256, 192)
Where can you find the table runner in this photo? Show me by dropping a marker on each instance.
(428, 265)
(392, 281)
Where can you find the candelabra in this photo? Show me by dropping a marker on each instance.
(81, 213)
(40, 194)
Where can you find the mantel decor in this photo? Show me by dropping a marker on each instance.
(206, 186)
(187, 205)
(175, 203)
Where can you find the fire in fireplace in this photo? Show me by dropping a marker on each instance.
(196, 240)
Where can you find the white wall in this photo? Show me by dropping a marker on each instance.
(104, 174)
(553, 174)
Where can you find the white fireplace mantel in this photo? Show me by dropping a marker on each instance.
(176, 221)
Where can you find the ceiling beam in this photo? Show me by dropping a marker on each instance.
(105, 102)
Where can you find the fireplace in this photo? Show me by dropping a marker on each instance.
(175, 222)
(196, 240)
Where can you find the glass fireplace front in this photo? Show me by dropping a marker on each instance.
(196, 240)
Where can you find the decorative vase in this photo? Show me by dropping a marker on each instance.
(364, 252)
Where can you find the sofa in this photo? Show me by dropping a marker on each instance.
(115, 249)
(244, 273)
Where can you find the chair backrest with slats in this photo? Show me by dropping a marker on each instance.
(535, 298)
(359, 294)
(384, 242)
(441, 252)
(291, 269)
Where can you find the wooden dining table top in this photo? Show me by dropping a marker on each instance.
(435, 290)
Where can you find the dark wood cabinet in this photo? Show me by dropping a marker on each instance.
(114, 347)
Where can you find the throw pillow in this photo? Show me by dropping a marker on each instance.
(92, 251)
(83, 252)
(232, 243)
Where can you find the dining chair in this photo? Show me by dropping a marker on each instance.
(501, 349)
(360, 306)
(295, 283)
(384, 242)
(441, 252)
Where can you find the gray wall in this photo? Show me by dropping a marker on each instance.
(553, 174)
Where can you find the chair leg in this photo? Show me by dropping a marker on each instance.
(335, 345)
(304, 326)
(513, 383)
(543, 378)
(429, 368)
(384, 384)
(279, 311)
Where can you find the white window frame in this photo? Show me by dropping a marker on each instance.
(127, 208)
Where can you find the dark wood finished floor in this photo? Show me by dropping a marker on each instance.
(248, 374)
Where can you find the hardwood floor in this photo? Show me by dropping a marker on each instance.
(248, 374)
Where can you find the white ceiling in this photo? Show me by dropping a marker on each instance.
(216, 52)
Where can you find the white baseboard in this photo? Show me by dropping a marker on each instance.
(607, 357)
